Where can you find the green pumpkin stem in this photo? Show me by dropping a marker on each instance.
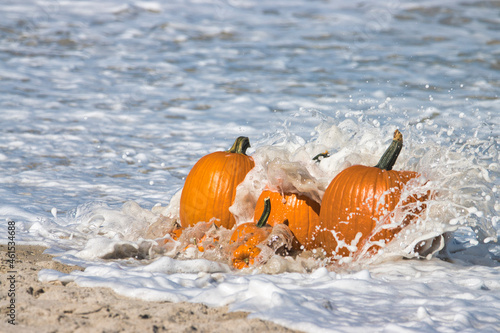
(390, 156)
(240, 145)
(265, 214)
(322, 155)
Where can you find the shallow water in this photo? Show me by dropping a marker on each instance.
(109, 103)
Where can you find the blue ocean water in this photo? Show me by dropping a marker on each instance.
(86, 87)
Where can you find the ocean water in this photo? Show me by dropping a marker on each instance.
(106, 106)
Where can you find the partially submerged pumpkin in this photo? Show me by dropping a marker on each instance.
(247, 236)
(297, 210)
(359, 199)
(211, 184)
(300, 212)
(202, 236)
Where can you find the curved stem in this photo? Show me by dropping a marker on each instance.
(240, 145)
(265, 214)
(323, 155)
(390, 156)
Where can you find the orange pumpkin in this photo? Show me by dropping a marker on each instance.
(244, 256)
(358, 198)
(199, 243)
(174, 235)
(210, 186)
(201, 237)
(299, 211)
(247, 236)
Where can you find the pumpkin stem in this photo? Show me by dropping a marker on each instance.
(240, 145)
(390, 156)
(265, 214)
(323, 155)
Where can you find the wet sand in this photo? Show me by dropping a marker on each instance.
(54, 307)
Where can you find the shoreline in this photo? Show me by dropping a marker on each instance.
(54, 307)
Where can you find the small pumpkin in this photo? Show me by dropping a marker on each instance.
(174, 235)
(361, 196)
(244, 256)
(202, 235)
(247, 236)
(299, 211)
(211, 184)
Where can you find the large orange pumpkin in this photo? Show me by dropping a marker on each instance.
(301, 212)
(359, 198)
(211, 184)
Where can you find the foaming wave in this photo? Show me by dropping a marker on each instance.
(462, 177)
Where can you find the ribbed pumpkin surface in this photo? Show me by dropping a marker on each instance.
(354, 201)
(210, 188)
(301, 212)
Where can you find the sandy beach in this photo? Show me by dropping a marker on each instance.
(54, 307)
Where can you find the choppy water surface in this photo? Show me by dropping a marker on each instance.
(108, 102)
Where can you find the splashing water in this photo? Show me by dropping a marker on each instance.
(461, 177)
